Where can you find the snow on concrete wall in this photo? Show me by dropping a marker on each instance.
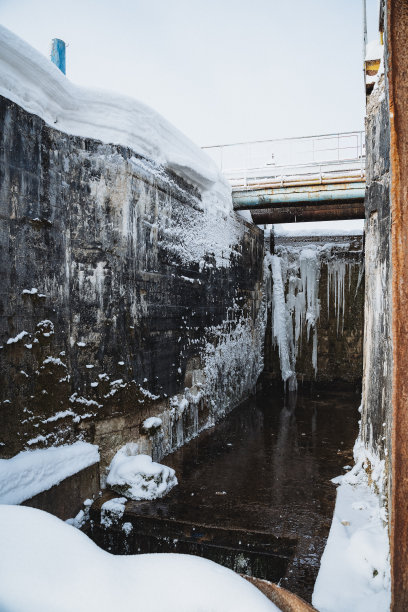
(130, 288)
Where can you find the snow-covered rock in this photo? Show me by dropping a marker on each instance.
(49, 566)
(137, 476)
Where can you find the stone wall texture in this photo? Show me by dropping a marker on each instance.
(121, 297)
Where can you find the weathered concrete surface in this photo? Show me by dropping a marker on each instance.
(377, 382)
(121, 298)
(396, 28)
(66, 499)
(339, 329)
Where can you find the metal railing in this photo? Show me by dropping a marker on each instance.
(304, 160)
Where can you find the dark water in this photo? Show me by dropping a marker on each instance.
(267, 468)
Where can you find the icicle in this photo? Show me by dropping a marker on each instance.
(279, 319)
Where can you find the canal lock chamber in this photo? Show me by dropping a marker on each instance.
(255, 491)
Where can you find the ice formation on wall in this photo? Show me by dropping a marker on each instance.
(295, 303)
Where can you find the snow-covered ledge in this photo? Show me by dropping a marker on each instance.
(32, 472)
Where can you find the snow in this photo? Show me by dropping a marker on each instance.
(112, 511)
(351, 227)
(17, 338)
(36, 84)
(137, 476)
(374, 50)
(32, 472)
(32, 291)
(47, 565)
(354, 572)
(152, 423)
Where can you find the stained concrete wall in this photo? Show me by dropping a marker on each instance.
(121, 298)
(339, 331)
(376, 418)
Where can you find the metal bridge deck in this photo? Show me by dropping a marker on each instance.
(297, 179)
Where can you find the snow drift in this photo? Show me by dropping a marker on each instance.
(49, 566)
(37, 85)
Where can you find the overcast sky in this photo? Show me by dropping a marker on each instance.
(221, 70)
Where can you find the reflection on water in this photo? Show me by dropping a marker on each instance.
(267, 467)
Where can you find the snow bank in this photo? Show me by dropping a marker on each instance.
(354, 572)
(49, 566)
(137, 476)
(36, 84)
(32, 472)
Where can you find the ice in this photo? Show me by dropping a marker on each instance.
(47, 565)
(280, 320)
(295, 272)
(294, 297)
(337, 271)
(32, 472)
(137, 476)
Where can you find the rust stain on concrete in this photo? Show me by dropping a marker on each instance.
(397, 33)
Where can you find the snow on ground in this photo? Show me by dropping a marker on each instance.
(354, 573)
(32, 472)
(49, 566)
(137, 476)
(320, 228)
(35, 83)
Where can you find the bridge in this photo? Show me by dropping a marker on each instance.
(311, 178)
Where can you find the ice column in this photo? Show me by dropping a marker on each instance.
(298, 272)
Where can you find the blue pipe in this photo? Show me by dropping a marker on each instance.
(58, 53)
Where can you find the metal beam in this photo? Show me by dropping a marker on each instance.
(334, 211)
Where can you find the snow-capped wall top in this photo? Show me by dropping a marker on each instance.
(32, 81)
(374, 50)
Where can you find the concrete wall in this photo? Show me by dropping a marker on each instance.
(121, 298)
(376, 418)
(339, 328)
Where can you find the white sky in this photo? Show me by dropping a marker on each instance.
(220, 70)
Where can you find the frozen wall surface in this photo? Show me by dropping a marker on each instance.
(315, 309)
(129, 287)
(376, 421)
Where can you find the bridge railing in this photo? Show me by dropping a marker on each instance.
(304, 160)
